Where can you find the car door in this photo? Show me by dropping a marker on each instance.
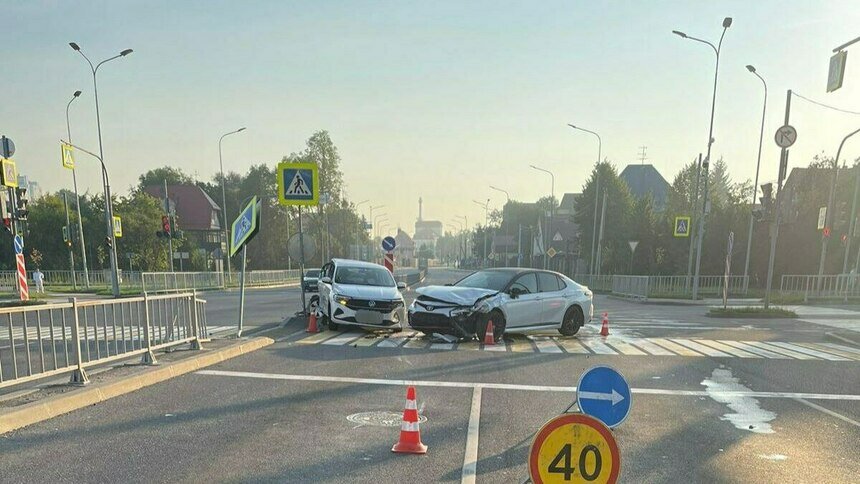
(325, 288)
(525, 309)
(553, 303)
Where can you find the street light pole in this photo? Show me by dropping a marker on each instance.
(829, 215)
(507, 226)
(108, 202)
(727, 22)
(486, 206)
(77, 202)
(596, 193)
(224, 203)
(547, 237)
(357, 251)
(755, 185)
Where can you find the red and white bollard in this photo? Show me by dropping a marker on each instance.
(388, 260)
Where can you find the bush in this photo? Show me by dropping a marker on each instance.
(751, 312)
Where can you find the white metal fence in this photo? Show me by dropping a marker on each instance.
(660, 286)
(631, 286)
(54, 339)
(824, 286)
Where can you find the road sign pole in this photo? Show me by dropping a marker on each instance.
(71, 250)
(693, 234)
(774, 232)
(600, 236)
(302, 261)
(242, 290)
(172, 228)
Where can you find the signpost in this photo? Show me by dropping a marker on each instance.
(388, 245)
(604, 394)
(633, 244)
(574, 448)
(822, 218)
(117, 226)
(67, 155)
(9, 172)
(682, 227)
(7, 147)
(244, 228)
(730, 245)
(23, 290)
(298, 185)
(785, 136)
(837, 70)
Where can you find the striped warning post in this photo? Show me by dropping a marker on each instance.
(23, 289)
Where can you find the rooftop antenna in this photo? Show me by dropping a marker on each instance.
(642, 156)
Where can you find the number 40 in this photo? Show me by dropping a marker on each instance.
(568, 470)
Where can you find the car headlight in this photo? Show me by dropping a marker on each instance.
(342, 300)
(461, 311)
(482, 306)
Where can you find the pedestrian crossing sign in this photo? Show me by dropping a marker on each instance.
(298, 184)
(68, 157)
(682, 227)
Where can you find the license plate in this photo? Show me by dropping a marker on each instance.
(368, 317)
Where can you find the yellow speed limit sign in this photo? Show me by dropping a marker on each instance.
(573, 448)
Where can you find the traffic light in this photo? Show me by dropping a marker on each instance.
(21, 196)
(66, 236)
(108, 242)
(7, 224)
(165, 226)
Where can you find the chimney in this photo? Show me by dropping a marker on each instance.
(420, 203)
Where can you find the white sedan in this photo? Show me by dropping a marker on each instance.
(515, 299)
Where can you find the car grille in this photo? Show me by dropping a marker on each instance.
(429, 319)
(381, 306)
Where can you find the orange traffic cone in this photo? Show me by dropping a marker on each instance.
(312, 323)
(489, 335)
(410, 436)
(604, 328)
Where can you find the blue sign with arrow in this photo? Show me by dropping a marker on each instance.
(19, 244)
(245, 226)
(388, 244)
(605, 395)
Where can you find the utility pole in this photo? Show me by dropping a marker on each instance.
(172, 228)
(600, 237)
(852, 226)
(774, 231)
(693, 201)
(69, 242)
(830, 201)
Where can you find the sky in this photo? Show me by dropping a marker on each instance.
(433, 99)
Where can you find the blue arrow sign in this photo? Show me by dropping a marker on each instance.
(388, 244)
(245, 226)
(19, 244)
(605, 395)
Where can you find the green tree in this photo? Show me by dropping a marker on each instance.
(157, 176)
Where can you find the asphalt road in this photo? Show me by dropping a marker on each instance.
(280, 414)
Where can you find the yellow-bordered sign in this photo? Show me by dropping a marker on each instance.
(67, 156)
(117, 226)
(682, 227)
(9, 173)
(298, 184)
(574, 448)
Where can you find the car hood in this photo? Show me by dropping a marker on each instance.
(463, 296)
(367, 292)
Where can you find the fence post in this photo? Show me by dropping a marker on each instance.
(148, 357)
(79, 376)
(195, 328)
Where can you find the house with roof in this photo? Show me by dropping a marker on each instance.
(404, 252)
(644, 180)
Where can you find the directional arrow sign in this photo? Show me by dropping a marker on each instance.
(604, 394)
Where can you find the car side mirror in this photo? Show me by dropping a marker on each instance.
(326, 280)
(515, 292)
(449, 284)
(401, 285)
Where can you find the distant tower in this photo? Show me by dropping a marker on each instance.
(420, 203)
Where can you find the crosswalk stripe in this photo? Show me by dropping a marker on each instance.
(469, 345)
(727, 349)
(572, 346)
(649, 347)
(500, 346)
(316, 338)
(669, 345)
(835, 351)
(753, 349)
(597, 347)
(545, 344)
(343, 338)
(842, 347)
(809, 351)
(442, 346)
(397, 339)
(700, 348)
(777, 349)
(521, 345)
(415, 342)
(624, 347)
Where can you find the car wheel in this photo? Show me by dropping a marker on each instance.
(331, 324)
(573, 320)
(498, 320)
(313, 304)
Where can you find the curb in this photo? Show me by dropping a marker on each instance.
(24, 415)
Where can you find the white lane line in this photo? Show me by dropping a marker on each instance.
(777, 349)
(828, 412)
(545, 345)
(442, 346)
(649, 347)
(623, 347)
(681, 350)
(753, 349)
(499, 346)
(343, 339)
(511, 386)
(726, 348)
(700, 348)
(470, 460)
(283, 338)
(808, 351)
(597, 346)
(843, 348)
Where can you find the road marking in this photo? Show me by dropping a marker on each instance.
(752, 349)
(843, 348)
(831, 350)
(343, 338)
(669, 345)
(316, 338)
(700, 348)
(777, 349)
(511, 386)
(624, 347)
(808, 351)
(499, 346)
(727, 349)
(415, 342)
(544, 344)
(367, 340)
(519, 345)
(470, 460)
(598, 347)
(828, 412)
(649, 347)
(442, 346)
(572, 346)
(284, 338)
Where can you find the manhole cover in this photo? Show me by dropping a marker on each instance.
(380, 419)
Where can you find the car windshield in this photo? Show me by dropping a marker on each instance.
(312, 273)
(364, 276)
(493, 280)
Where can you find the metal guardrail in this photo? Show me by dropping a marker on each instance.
(824, 286)
(631, 286)
(602, 282)
(411, 278)
(53, 339)
(682, 286)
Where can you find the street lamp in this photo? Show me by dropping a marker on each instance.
(375, 220)
(466, 237)
(224, 199)
(727, 22)
(507, 225)
(486, 206)
(551, 212)
(108, 203)
(829, 217)
(78, 199)
(755, 185)
(596, 193)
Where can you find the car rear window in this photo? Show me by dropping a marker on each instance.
(313, 273)
(548, 282)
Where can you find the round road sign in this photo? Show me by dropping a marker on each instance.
(603, 393)
(388, 244)
(294, 247)
(7, 147)
(785, 136)
(574, 448)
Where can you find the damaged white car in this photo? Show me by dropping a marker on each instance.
(515, 299)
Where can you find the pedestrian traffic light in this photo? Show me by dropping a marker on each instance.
(21, 196)
(165, 226)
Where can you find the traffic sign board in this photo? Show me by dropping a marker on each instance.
(298, 184)
(633, 244)
(822, 217)
(551, 252)
(388, 244)
(245, 226)
(67, 155)
(7, 147)
(826, 231)
(294, 247)
(785, 136)
(117, 226)
(574, 448)
(604, 394)
(837, 70)
(18, 242)
(9, 173)
(682, 227)
(557, 237)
